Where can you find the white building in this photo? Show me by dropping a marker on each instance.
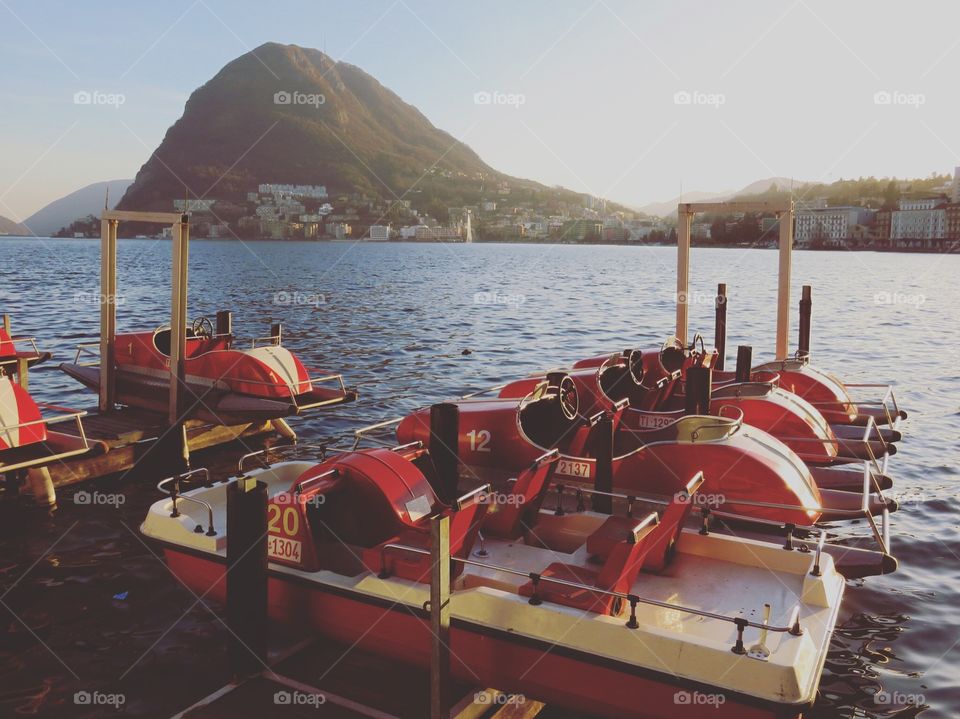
(379, 233)
(830, 224)
(919, 219)
(316, 192)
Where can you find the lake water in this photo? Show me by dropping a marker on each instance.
(96, 610)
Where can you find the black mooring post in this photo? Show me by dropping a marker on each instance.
(603, 448)
(224, 322)
(720, 333)
(698, 388)
(247, 576)
(444, 441)
(806, 307)
(276, 333)
(744, 362)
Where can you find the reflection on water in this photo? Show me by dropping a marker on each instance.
(94, 610)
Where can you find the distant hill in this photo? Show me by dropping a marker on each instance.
(287, 114)
(9, 227)
(85, 201)
(669, 208)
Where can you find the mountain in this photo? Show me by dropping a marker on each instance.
(669, 207)
(9, 227)
(287, 114)
(85, 201)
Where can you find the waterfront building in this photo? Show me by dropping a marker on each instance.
(379, 233)
(829, 225)
(919, 218)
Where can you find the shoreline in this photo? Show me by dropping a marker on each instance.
(949, 250)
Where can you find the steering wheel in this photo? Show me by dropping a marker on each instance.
(202, 327)
(569, 400)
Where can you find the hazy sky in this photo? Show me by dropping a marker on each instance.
(765, 88)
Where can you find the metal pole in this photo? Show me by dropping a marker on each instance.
(783, 288)
(720, 333)
(276, 333)
(806, 309)
(440, 616)
(108, 313)
(178, 315)
(443, 448)
(247, 575)
(604, 453)
(684, 220)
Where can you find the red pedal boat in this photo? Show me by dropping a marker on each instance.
(503, 435)
(658, 403)
(554, 607)
(27, 440)
(229, 383)
(10, 354)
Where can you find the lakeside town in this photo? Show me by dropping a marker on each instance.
(907, 219)
(927, 220)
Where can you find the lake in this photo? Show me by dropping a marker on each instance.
(398, 321)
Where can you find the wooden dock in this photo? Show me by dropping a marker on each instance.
(351, 683)
(129, 434)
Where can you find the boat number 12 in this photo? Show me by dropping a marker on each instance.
(479, 440)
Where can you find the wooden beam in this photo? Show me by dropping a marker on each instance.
(440, 616)
(178, 316)
(108, 313)
(783, 285)
(162, 218)
(684, 224)
(735, 206)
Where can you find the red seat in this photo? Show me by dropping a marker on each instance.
(465, 518)
(618, 573)
(504, 518)
(673, 517)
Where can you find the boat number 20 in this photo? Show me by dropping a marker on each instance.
(283, 520)
(479, 440)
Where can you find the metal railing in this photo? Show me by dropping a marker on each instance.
(281, 449)
(85, 348)
(175, 495)
(881, 535)
(792, 626)
(69, 414)
(15, 340)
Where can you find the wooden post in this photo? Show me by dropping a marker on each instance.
(720, 333)
(443, 448)
(806, 308)
(6, 324)
(23, 373)
(744, 362)
(684, 223)
(247, 575)
(783, 287)
(108, 313)
(698, 389)
(224, 322)
(603, 449)
(178, 315)
(440, 616)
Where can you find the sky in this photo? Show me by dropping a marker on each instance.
(633, 101)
